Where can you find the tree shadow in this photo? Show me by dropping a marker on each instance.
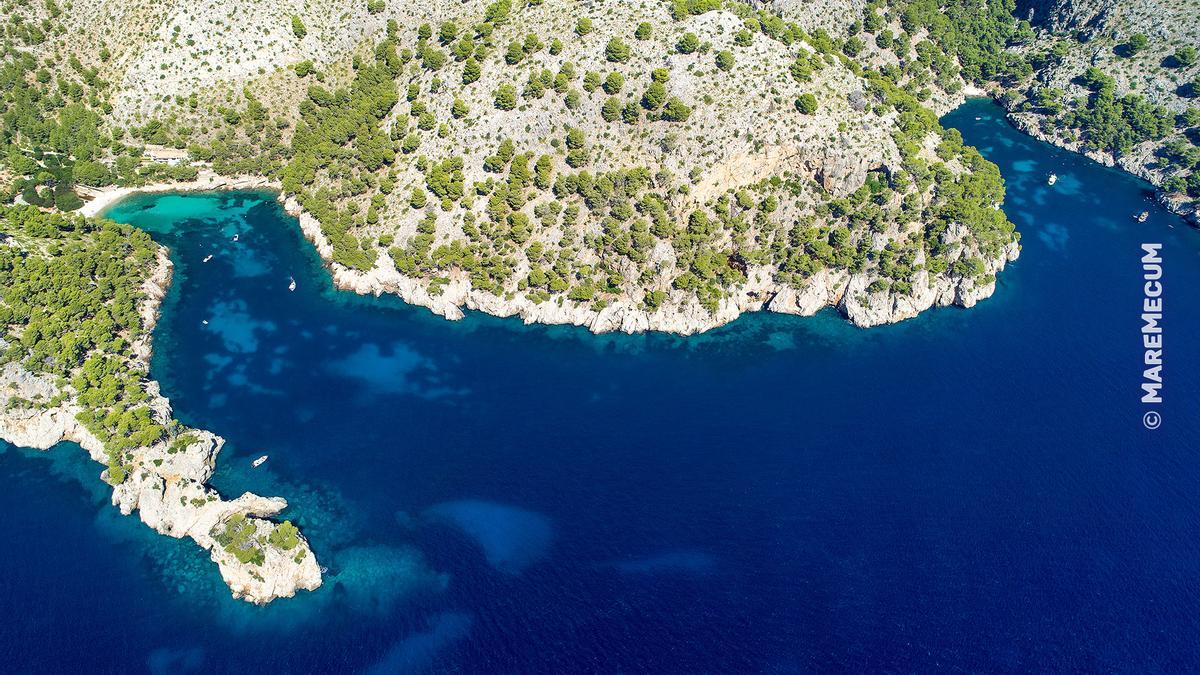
(1125, 50)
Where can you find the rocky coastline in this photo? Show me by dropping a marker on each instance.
(840, 290)
(167, 481)
(1030, 124)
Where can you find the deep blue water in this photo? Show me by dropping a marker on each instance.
(969, 490)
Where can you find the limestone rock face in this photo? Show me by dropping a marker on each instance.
(842, 171)
(683, 316)
(1066, 15)
(849, 293)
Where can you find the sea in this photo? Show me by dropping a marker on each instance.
(970, 490)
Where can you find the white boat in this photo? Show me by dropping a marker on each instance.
(1052, 180)
(1143, 216)
(235, 237)
(208, 257)
(292, 283)
(258, 462)
(204, 321)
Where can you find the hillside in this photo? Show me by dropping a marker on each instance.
(1119, 82)
(634, 164)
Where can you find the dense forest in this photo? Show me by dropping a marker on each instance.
(69, 291)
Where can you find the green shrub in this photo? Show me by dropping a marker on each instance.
(617, 51)
(284, 536)
(505, 97)
(614, 83)
(687, 44)
(471, 71)
(676, 110)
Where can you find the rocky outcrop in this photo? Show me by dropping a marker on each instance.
(166, 483)
(1066, 15)
(850, 295)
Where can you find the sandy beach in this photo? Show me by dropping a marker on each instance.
(103, 198)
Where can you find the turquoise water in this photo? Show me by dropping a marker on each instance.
(969, 490)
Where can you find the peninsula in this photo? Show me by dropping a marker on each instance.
(74, 355)
(630, 165)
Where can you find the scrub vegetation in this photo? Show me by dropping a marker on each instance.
(665, 153)
(69, 291)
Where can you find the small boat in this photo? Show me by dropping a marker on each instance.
(208, 257)
(204, 321)
(1052, 179)
(291, 283)
(235, 237)
(258, 462)
(1141, 217)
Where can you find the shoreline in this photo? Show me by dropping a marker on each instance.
(1027, 124)
(837, 289)
(207, 181)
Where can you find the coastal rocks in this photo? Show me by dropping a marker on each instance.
(682, 314)
(1181, 204)
(155, 289)
(165, 483)
(851, 296)
(824, 289)
(28, 420)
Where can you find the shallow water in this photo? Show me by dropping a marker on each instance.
(967, 490)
